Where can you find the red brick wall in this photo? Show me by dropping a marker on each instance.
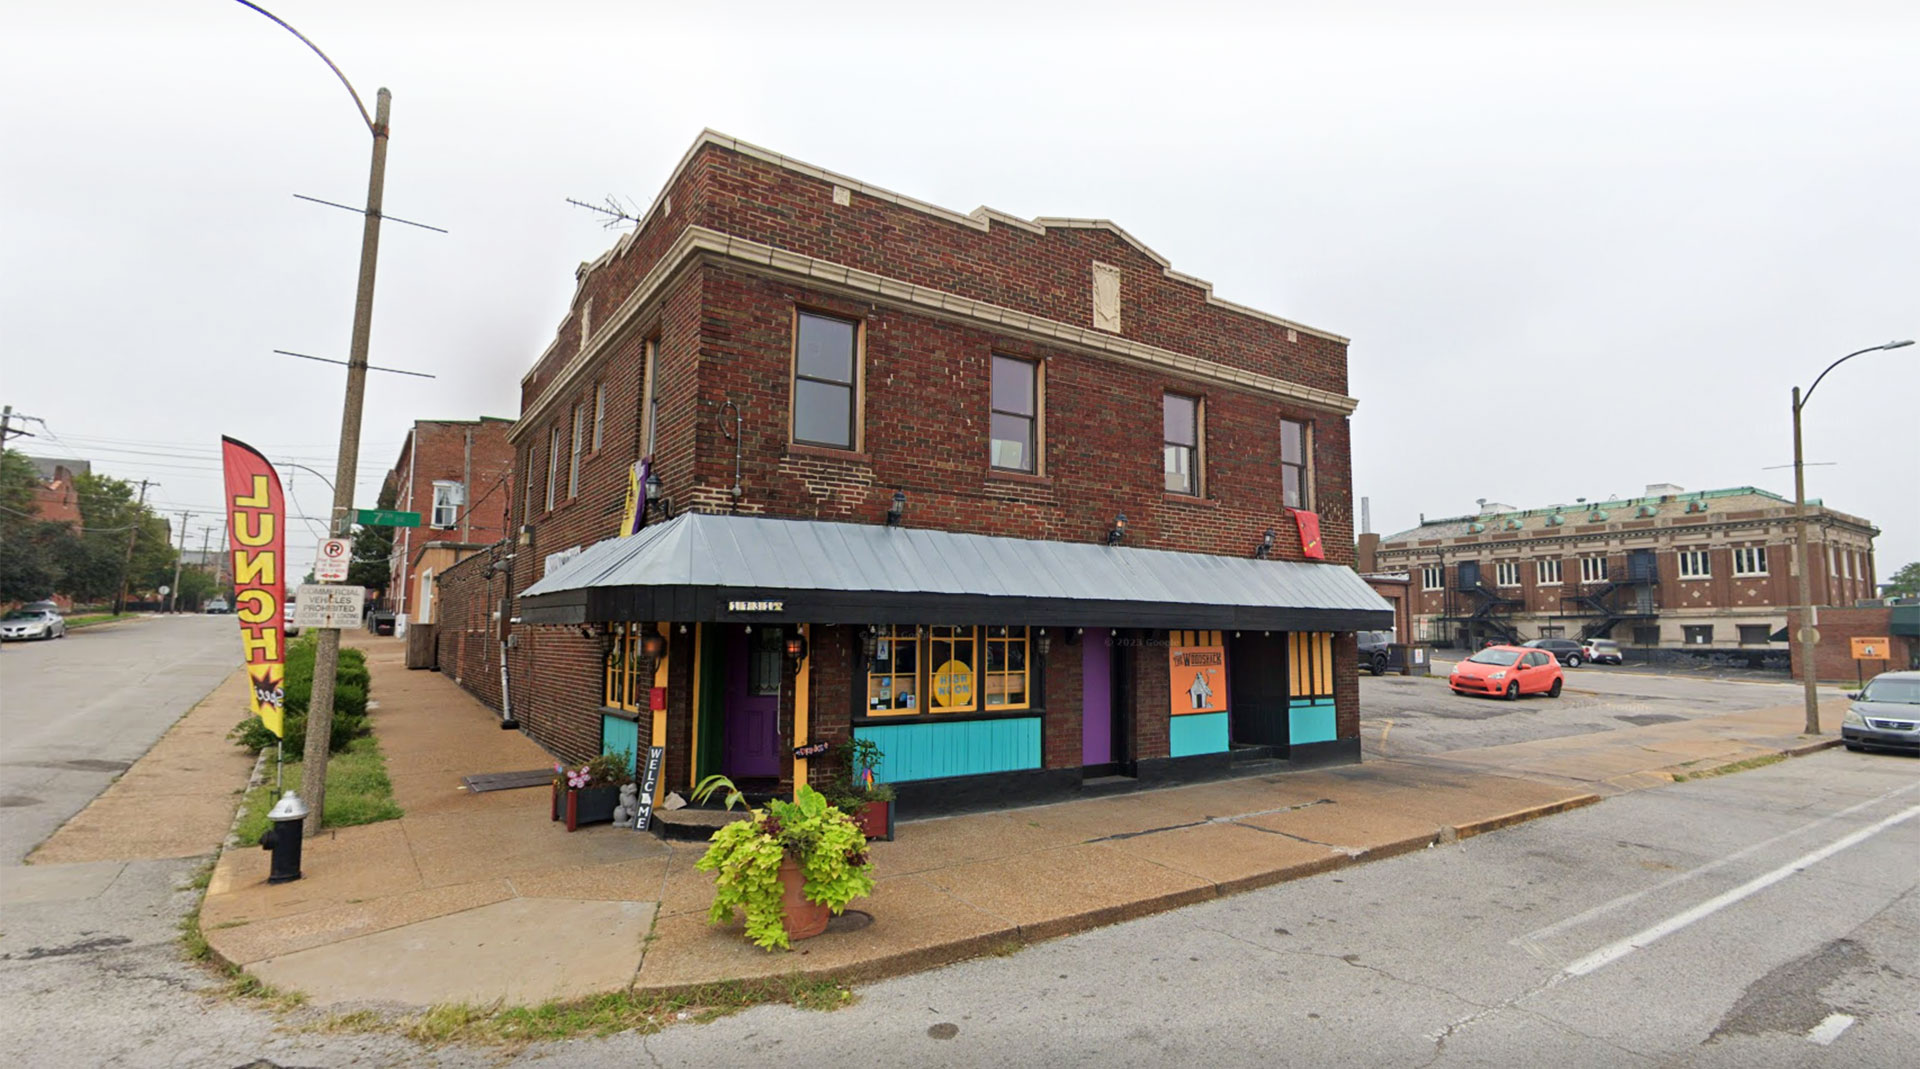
(1061, 742)
(439, 451)
(1152, 691)
(1833, 654)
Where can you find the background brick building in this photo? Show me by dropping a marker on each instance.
(1708, 570)
(456, 474)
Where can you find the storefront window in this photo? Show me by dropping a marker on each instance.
(623, 687)
(949, 669)
(893, 676)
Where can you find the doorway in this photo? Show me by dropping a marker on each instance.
(751, 729)
(1105, 728)
(1257, 676)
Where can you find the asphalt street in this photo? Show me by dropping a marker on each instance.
(1405, 716)
(1760, 919)
(76, 712)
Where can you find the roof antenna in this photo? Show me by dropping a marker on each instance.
(616, 213)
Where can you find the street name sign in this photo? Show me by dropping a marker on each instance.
(388, 518)
(329, 606)
(331, 565)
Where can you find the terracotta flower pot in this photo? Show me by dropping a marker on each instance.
(874, 819)
(802, 919)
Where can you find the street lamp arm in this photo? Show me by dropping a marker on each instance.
(1805, 397)
(364, 117)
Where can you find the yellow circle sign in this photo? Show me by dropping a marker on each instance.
(953, 685)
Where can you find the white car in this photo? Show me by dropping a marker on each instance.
(1602, 651)
(286, 621)
(32, 623)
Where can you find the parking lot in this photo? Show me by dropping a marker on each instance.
(1402, 716)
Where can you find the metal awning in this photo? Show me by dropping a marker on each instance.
(749, 569)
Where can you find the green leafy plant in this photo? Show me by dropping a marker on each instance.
(745, 858)
(351, 682)
(853, 784)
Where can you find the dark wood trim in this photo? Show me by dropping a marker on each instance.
(862, 720)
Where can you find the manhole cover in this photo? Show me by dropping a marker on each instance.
(851, 921)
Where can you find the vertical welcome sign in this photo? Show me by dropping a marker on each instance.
(256, 535)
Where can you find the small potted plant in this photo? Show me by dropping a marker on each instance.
(854, 788)
(589, 794)
(788, 867)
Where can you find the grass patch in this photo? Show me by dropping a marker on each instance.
(515, 1027)
(1738, 766)
(358, 792)
(96, 618)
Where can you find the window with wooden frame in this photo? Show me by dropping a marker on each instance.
(1750, 560)
(893, 673)
(1432, 576)
(553, 465)
(1180, 443)
(526, 492)
(1506, 573)
(826, 381)
(1693, 563)
(1295, 488)
(1593, 569)
(573, 454)
(1546, 571)
(599, 413)
(1013, 417)
(946, 669)
(626, 684)
(649, 400)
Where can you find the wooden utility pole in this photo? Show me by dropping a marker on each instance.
(326, 660)
(173, 592)
(133, 534)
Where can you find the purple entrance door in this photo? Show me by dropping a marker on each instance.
(1096, 703)
(752, 728)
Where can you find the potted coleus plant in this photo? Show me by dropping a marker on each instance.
(787, 867)
(854, 788)
(589, 794)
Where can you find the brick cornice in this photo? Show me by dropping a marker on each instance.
(702, 243)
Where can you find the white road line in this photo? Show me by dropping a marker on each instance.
(1605, 908)
(1613, 952)
(1829, 1030)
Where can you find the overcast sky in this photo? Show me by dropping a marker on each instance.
(1578, 250)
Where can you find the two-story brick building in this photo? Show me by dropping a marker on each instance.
(1010, 498)
(1707, 570)
(456, 474)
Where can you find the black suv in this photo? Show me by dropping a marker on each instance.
(1373, 650)
(1564, 650)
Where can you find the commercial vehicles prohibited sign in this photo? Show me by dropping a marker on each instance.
(328, 606)
(335, 555)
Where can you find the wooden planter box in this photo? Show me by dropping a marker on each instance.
(588, 805)
(875, 820)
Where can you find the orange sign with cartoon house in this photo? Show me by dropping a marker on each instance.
(1197, 672)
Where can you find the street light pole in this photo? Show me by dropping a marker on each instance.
(1808, 637)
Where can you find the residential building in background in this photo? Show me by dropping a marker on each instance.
(455, 474)
(1703, 571)
(1013, 499)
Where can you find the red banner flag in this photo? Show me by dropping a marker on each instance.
(1309, 524)
(257, 537)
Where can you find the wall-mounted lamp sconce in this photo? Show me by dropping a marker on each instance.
(1265, 547)
(1043, 641)
(654, 495)
(870, 642)
(1118, 531)
(898, 510)
(796, 647)
(653, 644)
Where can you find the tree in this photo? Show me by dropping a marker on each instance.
(1906, 581)
(33, 551)
(372, 546)
(109, 511)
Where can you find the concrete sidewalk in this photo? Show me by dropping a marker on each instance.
(479, 898)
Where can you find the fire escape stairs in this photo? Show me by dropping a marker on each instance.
(1488, 606)
(1613, 601)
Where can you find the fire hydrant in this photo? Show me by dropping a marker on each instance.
(284, 838)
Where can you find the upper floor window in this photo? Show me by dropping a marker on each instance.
(553, 465)
(1015, 414)
(1693, 564)
(448, 496)
(526, 492)
(1432, 577)
(573, 454)
(599, 413)
(1750, 560)
(1293, 464)
(1181, 442)
(649, 402)
(1593, 569)
(1506, 573)
(1547, 572)
(826, 365)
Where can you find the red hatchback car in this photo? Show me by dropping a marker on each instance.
(1508, 670)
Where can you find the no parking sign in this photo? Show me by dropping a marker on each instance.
(335, 555)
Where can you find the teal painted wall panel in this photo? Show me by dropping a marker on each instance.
(1310, 721)
(1197, 733)
(620, 735)
(930, 749)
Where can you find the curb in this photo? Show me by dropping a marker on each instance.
(1811, 747)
